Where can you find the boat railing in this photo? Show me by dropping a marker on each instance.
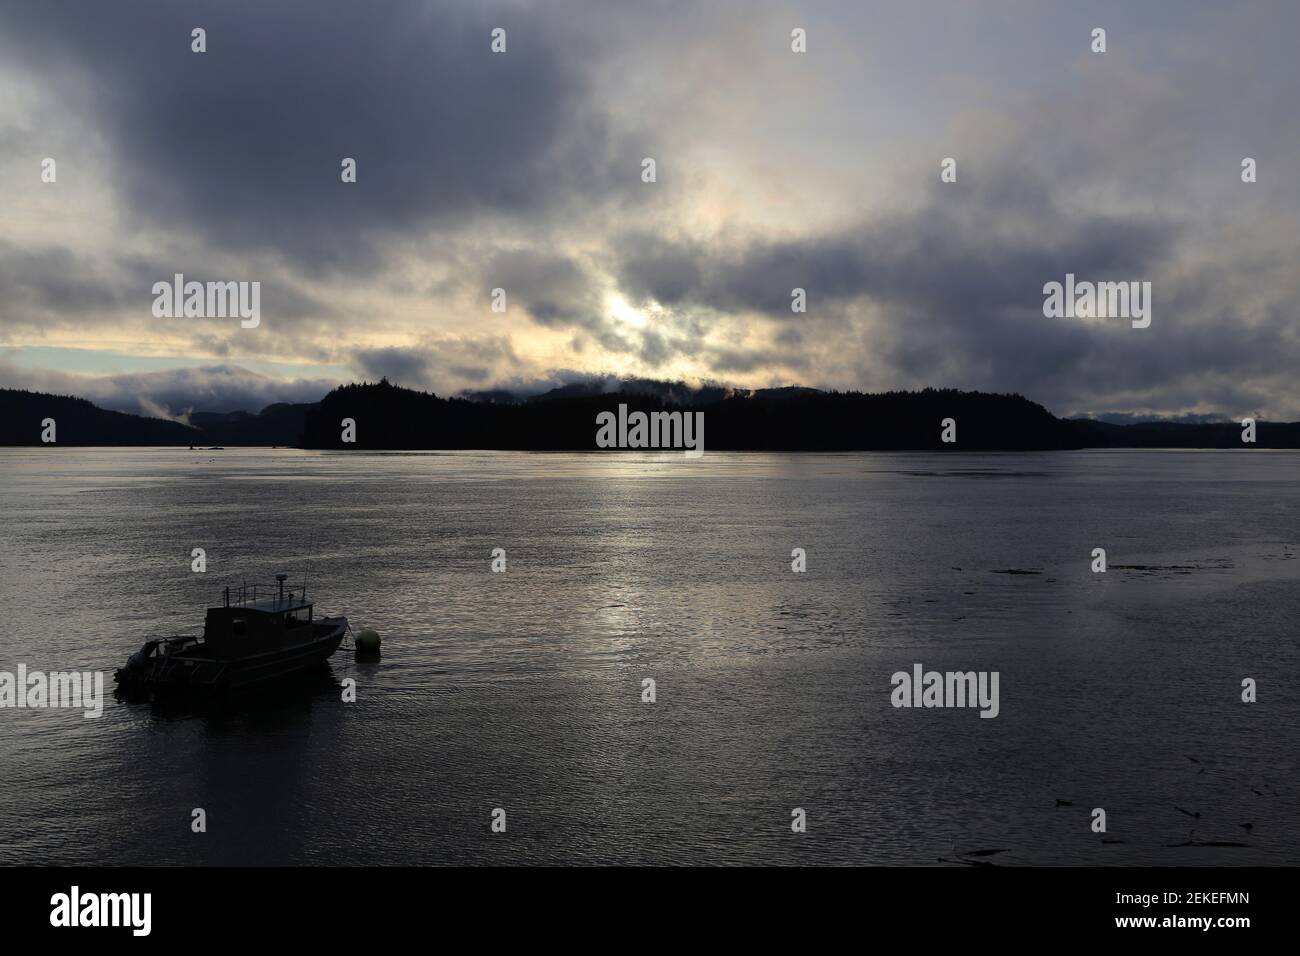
(246, 593)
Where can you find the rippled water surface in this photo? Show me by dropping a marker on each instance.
(522, 690)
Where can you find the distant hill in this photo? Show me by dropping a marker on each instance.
(278, 424)
(781, 419)
(1097, 434)
(78, 422)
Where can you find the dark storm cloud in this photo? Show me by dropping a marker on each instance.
(556, 290)
(398, 364)
(48, 286)
(243, 144)
(54, 280)
(658, 268)
(972, 253)
(441, 364)
(739, 361)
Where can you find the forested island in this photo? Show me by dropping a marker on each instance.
(387, 416)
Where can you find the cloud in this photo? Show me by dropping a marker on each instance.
(171, 393)
(243, 143)
(557, 290)
(521, 171)
(441, 364)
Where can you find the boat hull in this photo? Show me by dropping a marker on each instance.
(191, 670)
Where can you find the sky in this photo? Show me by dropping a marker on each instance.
(775, 170)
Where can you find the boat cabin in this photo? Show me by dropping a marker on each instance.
(249, 624)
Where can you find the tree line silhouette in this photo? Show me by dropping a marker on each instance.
(78, 422)
(788, 419)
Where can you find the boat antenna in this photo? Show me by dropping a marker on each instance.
(307, 570)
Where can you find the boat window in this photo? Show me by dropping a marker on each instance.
(237, 626)
(298, 616)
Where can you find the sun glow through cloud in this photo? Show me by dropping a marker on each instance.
(618, 307)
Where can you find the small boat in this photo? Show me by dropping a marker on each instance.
(245, 641)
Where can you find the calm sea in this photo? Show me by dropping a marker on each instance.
(522, 690)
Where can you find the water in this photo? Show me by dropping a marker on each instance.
(522, 690)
